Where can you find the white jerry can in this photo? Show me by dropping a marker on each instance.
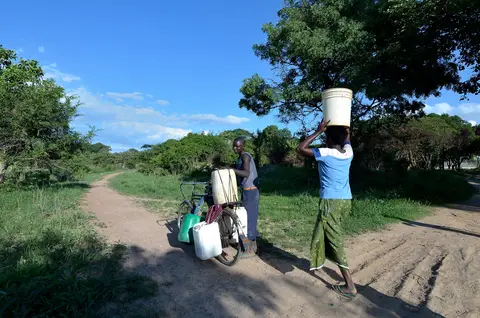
(207, 241)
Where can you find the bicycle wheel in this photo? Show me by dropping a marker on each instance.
(229, 226)
(184, 208)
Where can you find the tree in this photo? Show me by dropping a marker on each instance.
(97, 147)
(35, 118)
(424, 143)
(390, 53)
(272, 144)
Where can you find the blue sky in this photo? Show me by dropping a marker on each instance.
(147, 71)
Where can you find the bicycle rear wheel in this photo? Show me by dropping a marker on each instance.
(231, 246)
(184, 208)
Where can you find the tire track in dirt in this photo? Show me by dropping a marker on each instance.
(427, 268)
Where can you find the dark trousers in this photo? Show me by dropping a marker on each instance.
(250, 200)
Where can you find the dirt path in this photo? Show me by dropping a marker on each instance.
(428, 268)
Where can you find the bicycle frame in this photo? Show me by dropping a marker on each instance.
(195, 206)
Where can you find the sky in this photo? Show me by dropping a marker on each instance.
(148, 71)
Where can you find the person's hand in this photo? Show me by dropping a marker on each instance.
(322, 126)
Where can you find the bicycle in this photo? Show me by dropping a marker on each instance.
(228, 221)
(231, 236)
(197, 201)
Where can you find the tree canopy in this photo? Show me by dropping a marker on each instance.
(392, 54)
(35, 117)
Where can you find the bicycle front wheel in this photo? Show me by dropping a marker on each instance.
(230, 237)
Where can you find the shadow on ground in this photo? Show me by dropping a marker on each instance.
(48, 275)
(90, 280)
(69, 185)
(242, 290)
(437, 227)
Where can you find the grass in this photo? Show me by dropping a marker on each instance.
(289, 199)
(52, 262)
(165, 191)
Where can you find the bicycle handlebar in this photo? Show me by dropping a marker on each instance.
(190, 183)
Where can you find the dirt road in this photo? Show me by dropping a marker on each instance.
(429, 268)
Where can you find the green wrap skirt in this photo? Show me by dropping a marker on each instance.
(328, 237)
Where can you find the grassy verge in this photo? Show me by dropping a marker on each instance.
(52, 262)
(289, 200)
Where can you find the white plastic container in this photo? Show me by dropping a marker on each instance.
(206, 238)
(243, 218)
(224, 186)
(337, 106)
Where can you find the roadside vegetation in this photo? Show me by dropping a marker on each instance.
(288, 205)
(53, 263)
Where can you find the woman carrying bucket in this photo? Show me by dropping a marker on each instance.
(335, 195)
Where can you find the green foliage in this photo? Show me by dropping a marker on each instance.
(273, 143)
(193, 152)
(387, 52)
(35, 133)
(425, 143)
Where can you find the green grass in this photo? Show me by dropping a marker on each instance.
(289, 200)
(165, 189)
(52, 262)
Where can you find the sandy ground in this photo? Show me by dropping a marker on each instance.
(429, 268)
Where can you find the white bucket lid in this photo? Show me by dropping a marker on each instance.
(337, 92)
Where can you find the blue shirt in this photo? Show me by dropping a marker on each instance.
(334, 172)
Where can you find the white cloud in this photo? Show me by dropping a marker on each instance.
(121, 96)
(20, 50)
(440, 108)
(152, 132)
(100, 108)
(51, 71)
(149, 95)
(162, 102)
(229, 120)
(126, 125)
(467, 111)
(460, 110)
(41, 49)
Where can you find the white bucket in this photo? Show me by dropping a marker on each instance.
(224, 186)
(337, 106)
(243, 219)
(206, 238)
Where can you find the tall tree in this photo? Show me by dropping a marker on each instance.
(392, 54)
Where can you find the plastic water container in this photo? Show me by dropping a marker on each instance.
(337, 106)
(185, 234)
(224, 186)
(207, 240)
(243, 218)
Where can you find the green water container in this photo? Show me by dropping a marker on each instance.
(185, 233)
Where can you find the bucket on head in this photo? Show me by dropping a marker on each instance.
(337, 106)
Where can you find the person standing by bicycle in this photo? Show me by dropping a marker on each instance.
(246, 171)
